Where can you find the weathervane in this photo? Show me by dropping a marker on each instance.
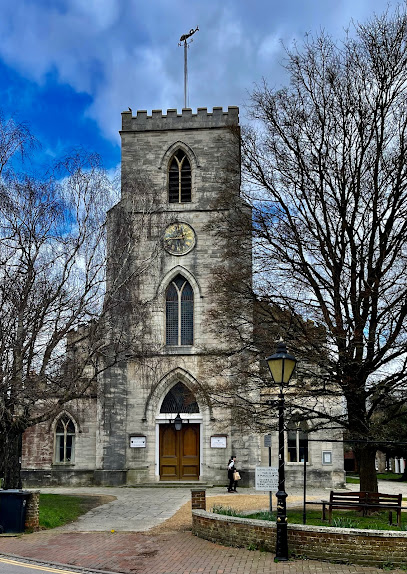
(184, 39)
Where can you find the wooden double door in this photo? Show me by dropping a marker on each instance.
(179, 452)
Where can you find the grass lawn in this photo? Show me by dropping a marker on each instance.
(389, 476)
(340, 518)
(354, 478)
(58, 509)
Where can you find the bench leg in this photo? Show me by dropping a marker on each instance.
(390, 517)
(323, 511)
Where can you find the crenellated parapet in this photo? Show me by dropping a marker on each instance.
(172, 120)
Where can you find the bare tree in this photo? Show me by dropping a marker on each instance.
(52, 291)
(327, 181)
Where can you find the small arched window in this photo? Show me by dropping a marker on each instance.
(179, 178)
(179, 312)
(65, 440)
(297, 441)
(179, 399)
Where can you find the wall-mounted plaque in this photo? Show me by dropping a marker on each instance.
(137, 442)
(218, 441)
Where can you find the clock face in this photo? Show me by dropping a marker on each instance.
(179, 238)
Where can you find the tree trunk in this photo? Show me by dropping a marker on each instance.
(10, 452)
(366, 457)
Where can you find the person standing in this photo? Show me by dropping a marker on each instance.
(231, 472)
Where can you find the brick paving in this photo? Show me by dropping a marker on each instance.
(131, 549)
(170, 553)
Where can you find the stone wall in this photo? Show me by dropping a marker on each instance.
(341, 545)
(61, 476)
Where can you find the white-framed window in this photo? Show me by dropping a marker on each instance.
(326, 457)
(297, 441)
(65, 440)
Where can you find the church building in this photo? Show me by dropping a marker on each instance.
(150, 418)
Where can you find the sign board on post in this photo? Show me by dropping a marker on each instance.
(267, 440)
(266, 478)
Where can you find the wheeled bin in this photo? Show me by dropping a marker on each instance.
(13, 505)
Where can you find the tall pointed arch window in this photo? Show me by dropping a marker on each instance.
(179, 178)
(65, 440)
(179, 312)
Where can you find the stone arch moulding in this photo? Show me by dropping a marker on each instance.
(172, 149)
(161, 388)
(173, 273)
(67, 413)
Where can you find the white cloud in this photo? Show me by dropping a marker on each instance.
(124, 52)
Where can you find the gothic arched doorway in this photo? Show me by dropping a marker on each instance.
(179, 449)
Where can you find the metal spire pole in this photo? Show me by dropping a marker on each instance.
(185, 72)
(184, 39)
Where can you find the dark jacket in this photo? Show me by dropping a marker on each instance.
(231, 469)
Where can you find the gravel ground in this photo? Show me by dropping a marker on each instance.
(182, 519)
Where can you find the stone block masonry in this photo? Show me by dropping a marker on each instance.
(342, 545)
(174, 121)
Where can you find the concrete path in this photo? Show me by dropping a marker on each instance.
(134, 510)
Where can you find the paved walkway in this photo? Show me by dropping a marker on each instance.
(134, 510)
(90, 544)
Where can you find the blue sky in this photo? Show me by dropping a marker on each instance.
(68, 68)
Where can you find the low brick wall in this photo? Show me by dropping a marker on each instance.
(32, 512)
(342, 545)
(198, 498)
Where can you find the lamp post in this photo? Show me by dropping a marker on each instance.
(281, 366)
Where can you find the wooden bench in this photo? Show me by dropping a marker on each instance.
(363, 501)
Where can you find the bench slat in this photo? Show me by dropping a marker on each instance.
(363, 501)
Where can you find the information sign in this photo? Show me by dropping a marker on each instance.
(137, 442)
(266, 478)
(218, 441)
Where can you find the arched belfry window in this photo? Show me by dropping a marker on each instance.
(179, 178)
(179, 313)
(65, 440)
(179, 399)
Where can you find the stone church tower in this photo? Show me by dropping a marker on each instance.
(173, 166)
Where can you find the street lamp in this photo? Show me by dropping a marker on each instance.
(281, 366)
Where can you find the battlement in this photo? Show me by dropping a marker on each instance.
(175, 121)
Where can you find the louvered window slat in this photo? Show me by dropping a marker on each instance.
(179, 313)
(179, 179)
